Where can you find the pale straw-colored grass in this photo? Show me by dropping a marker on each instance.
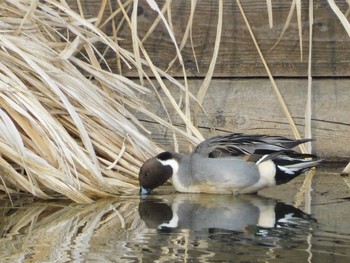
(66, 124)
(305, 190)
(66, 121)
(345, 22)
(273, 83)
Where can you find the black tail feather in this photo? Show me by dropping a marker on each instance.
(290, 164)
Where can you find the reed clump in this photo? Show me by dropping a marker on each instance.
(67, 125)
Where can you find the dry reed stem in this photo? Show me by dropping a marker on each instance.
(187, 115)
(296, 4)
(346, 170)
(187, 34)
(306, 188)
(298, 8)
(308, 113)
(269, 12)
(205, 85)
(286, 24)
(66, 124)
(274, 85)
(343, 19)
(340, 15)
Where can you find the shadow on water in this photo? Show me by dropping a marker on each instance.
(168, 228)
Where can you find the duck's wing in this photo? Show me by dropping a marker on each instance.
(238, 144)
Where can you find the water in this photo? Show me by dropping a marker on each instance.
(182, 228)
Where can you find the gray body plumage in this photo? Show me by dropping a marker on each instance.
(228, 173)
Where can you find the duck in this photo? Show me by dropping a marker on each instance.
(228, 164)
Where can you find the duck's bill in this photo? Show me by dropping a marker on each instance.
(145, 191)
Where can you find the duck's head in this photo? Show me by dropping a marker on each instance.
(156, 171)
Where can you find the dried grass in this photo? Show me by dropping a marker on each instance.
(273, 83)
(66, 124)
(340, 15)
(343, 19)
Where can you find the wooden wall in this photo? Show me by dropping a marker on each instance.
(240, 97)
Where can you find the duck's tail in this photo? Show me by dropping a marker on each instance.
(290, 164)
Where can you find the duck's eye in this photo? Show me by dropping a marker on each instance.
(147, 173)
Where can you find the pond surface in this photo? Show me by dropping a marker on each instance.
(172, 227)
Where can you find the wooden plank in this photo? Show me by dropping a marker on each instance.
(238, 56)
(250, 106)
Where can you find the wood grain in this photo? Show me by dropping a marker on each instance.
(250, 106)
(238, 56)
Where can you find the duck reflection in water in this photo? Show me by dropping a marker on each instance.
(207, 212)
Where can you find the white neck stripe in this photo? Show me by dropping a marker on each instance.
(172, 163)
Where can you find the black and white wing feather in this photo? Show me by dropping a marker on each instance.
(238, 144)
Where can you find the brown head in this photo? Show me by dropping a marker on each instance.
(155, 172)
